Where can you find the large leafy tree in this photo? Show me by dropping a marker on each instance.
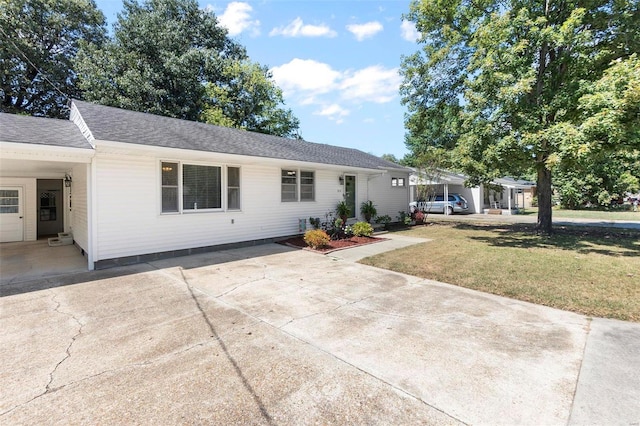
(248, 98)
(38, 41)
(500, 81)
(170, 57)
(162, 54)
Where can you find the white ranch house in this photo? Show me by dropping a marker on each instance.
(132, 186)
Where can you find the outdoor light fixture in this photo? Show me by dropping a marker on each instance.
(67, 180)
(341, 179)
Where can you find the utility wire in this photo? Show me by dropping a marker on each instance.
(44, 76)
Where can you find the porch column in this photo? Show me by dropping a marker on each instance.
(509, 199)
(446, 198)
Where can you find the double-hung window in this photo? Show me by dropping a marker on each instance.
(289, 182)
(191, 187)
(307, 186)
(294, 182)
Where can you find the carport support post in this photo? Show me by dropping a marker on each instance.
(446, 198)
(509, 198)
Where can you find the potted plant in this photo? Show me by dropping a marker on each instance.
(343, 211)
(368, 210)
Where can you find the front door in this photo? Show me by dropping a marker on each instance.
(11, 215)
(50, 209)
(350, 193)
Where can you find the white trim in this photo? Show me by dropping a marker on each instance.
(92, 214)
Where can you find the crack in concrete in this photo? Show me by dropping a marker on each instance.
(48, 389)
(68, 349)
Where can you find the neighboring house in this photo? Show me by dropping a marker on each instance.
(133, 186)
(513, 195)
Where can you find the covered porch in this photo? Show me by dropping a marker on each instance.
(507, 196)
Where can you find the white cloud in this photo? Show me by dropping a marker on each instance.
(363, 31)
(333, 112)
(311, 83)
(236, 18)
(372, 84)
(409, 31)
(298, 29)
(305, 77)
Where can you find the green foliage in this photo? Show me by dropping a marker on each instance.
(315, 222)
(368, 210)
(172, 58)
(390, 157)
(384, 219)
(343, 210)
(316, 238)
(500, 83)
(248, 98)
(160, 57)
(49, 33)
(362, 229)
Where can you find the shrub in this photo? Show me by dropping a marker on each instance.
(368, 210)
(418, 216)
(316, 238)
(362, 229)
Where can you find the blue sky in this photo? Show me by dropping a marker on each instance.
(336, 62)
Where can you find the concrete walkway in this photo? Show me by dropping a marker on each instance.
(271, 335)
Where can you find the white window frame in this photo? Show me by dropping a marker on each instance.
(396, 182)
(298, 185)
(224, 188)
(313, 186)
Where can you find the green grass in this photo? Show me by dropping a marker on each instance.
(595, 272)
(589, 214)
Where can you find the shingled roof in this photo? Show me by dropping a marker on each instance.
(120, 125)
(41, 131)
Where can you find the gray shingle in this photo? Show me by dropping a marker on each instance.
(115, 124)
(41, 131)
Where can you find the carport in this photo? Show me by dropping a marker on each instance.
(44, 173)
(444, 182)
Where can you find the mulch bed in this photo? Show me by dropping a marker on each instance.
(334, 245)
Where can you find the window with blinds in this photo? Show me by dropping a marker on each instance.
(289, 183)
(307, 186)
(201, 187)
(233, 188)
(191, 187)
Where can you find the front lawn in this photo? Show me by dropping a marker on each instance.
(588, 214)
(592, 271)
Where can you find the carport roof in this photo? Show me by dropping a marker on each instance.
(41, 131)
(120, 125)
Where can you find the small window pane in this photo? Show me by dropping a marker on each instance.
(8, 209)
(394, 182)
(233, 188)
(169, 199)
(289, 185)
(169, 173)
(307, 191)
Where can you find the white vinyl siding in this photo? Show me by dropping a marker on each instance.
(78, 222)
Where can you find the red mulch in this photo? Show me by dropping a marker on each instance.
(334, 245)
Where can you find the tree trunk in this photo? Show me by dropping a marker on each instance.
(544, 225)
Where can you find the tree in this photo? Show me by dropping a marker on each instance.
(390, 157)
(604, 162)
(169, 57)
(162, 54)
(500, 81)
(38, 41)
(248, 98)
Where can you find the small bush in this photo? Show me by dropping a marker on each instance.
(362, 229)
(316, 238)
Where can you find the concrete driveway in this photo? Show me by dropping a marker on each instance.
(271, 335)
